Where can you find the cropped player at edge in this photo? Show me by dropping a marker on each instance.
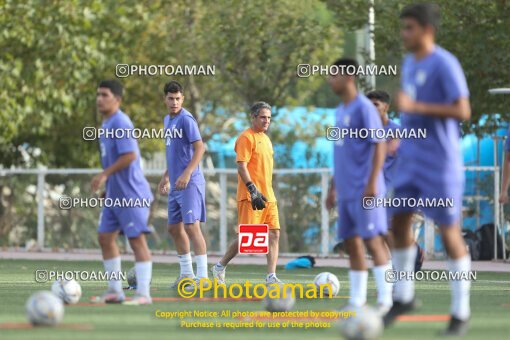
(433, 96)
(123, 178)
(358, 175)
(256, 202)
(184, 183)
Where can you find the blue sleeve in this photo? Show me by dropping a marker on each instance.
(191, 130)
(127, 143)
(507, 142)
(403, 71)
(453, 80)
(372, 121)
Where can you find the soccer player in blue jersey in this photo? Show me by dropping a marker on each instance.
(123, 178)
(381, 100)
(358, 176)
(433, 96)
(184, 184)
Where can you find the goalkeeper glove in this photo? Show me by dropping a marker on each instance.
(257, 199)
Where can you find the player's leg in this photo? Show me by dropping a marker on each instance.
(270, 217)
(143, 269)
(182, 246)
(107, 234)
(459, 261)
(245, 215)
(231, 252)
(199, 246)
(218, 270)
(358, 273)
(180, 238)
(353, 242)
(403, 260)
(111, 260)
(379, 251)
(372, 224)
(388, 239)
(133, 222)
(272, 256)
(193, 212)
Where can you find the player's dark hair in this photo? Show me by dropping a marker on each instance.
(172, 87)
(379, 95)
(345, 62)
(256, 107)
(424, 13)
(114, 86)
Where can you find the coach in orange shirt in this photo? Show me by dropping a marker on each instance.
(256, 203)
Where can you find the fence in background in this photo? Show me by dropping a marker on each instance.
(307, 227)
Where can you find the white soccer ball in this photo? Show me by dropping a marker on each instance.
(365, 324)
(44, 309)
(131, 278)
(67, 290)
(283, 303)
(328, 279)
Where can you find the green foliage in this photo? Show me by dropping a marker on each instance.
(476, 31)
(54, 53)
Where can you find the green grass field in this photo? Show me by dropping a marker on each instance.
(490, 303)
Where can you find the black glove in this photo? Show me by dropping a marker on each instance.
(257, 199)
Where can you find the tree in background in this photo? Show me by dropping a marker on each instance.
(54, 53)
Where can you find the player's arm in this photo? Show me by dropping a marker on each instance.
(183, 180)
(392, 146)
(377, 164)
(505, 182)
(242, 170)
(122, 162)
(459, 109)
(257, 199)
(163, 184)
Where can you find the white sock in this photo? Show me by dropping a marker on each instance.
(403, 261)
(186, 264)
(384, 287)
(358, 287)
(113, 266)
(143, 272)
(219, 266)
(460, 288)
(269, 275)
(201, 261)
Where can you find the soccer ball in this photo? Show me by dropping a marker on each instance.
(44, 309)
(131, 278)
(327, 278)
(67, 290)
(281, 304)
(366, 324)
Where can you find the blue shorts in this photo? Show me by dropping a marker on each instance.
(187, 205)
(354, 220)
(430, 185)
(129, 221)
